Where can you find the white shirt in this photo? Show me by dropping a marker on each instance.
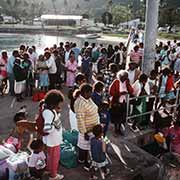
(67, 53)
(54, 138)
(131, 76)
(37, 160)
(137, 89)
(123, 88)
(51, 64)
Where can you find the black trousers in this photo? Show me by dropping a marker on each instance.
(83, 156)
(52, 81)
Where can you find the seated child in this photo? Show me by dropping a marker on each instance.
(37, 159)
(104, 115)
(98, 152)
(14, 141)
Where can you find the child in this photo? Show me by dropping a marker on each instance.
(97, 93)
(104, 115)
(43, 73)
(98, 152)
(14, 141)
(71, 66)
(37, 159)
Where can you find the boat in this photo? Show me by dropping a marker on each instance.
(88, 36)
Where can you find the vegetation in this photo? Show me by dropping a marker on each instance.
(22, 9)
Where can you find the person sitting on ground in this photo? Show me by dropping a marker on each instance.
(37, 160)
(98, 152)
(15, 141)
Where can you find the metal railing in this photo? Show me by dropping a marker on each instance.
(175, 105)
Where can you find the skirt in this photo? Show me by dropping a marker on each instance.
(118, 113)
(73, 120)
(82, 143)
(20, 87)
(100, 165)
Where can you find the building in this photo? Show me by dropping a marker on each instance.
(64, 20)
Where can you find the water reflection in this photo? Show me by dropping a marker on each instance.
(41, 41)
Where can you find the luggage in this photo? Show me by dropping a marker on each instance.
(4, 154)
(18, 166)
(68, 155)
(71, 136)
(3, 170)
(18, 162)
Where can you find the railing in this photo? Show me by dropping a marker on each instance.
(175, 105)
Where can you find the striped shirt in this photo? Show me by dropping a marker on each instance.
(86, 114)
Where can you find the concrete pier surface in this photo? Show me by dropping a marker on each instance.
(136, 160)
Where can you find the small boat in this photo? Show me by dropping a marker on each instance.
(88, 36)
(93, 36)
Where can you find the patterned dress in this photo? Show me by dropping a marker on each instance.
(108, 79)
(71, 73)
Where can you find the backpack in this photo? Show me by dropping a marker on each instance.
(40, 124)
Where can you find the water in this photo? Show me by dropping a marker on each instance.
(10, 42)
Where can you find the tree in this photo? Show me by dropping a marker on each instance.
(169, 14)
(120, 14)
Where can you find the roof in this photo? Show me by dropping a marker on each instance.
(61, 17)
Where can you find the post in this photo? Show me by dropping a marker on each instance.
(152, 11)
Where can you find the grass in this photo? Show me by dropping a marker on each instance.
(165, 35)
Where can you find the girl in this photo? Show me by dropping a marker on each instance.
(98, 152)
(53, 128)
(43, 73)
(71, 66)
(37, 159)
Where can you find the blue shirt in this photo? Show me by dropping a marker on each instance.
(97, 98)
(77, 51)
(10, 64)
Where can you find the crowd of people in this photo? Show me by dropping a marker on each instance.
(98, 86)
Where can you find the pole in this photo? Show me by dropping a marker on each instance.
(152, 10)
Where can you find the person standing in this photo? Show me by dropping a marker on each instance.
(51, 64)
(118, 90)
(20, 76)
(53, 129)
(87, 117)
(10, 65)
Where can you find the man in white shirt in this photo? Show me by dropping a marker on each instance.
(51, 64)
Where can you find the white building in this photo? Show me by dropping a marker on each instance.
(69, 20)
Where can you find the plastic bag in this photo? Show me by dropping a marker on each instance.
(68, 155)
(71, 136)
